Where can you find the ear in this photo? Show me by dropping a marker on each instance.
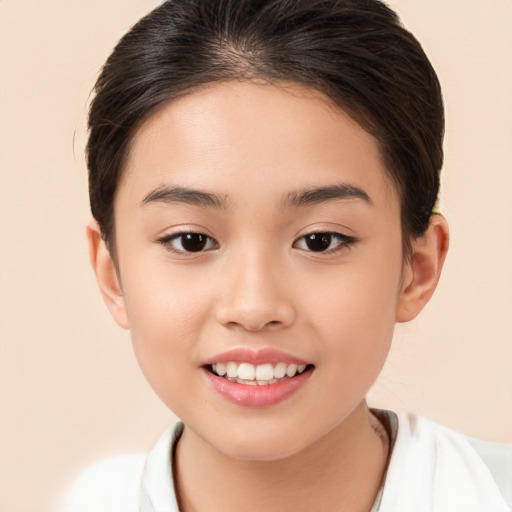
(106, 274)
(422, 271)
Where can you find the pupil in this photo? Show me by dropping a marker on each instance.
(193, 242)
(318, 241)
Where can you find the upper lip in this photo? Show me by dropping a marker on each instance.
(255, 357)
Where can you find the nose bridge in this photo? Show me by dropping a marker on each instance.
(256, 294)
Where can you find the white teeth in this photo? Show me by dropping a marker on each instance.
(246, 371)
(232, 370)
(261, 375)
(280, 370)
(220, 369)
(264, 372)
(291, 370)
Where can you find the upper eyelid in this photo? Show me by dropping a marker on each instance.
(200, 231)
(325, 226)
(172, 232)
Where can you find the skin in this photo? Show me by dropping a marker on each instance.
(258, 285)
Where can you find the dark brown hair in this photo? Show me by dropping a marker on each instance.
(354, 51)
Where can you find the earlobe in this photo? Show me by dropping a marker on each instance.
(423, 270)
(106, 275)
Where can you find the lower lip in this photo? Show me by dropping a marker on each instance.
(257, 396)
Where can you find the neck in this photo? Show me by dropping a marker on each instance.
(341, 471)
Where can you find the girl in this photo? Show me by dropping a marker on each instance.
(263, 176)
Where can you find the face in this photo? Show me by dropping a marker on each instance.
(260, 263)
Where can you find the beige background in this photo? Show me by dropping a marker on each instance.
(70, 390)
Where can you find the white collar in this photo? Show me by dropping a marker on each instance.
(432, 469)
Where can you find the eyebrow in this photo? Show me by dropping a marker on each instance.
(294, 199)
(312, 196)
(175, 194)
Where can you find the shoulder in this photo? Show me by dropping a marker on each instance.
(111, 485)
(128, 483)
(434, 468)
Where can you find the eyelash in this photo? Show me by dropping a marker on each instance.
(167, 242)
(207, 243)
(344, 241)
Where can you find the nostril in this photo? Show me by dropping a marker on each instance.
(254, 315)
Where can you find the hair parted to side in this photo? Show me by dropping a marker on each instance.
(356, 52)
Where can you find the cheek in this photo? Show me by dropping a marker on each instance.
(355, 316)
(166, 312)
(161, 297)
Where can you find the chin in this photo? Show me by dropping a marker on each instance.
(263, 445)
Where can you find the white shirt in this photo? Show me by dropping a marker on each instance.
(431, 469)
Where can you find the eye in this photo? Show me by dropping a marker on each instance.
(323, 242)
(188, 242)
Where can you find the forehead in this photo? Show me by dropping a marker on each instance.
(230, 135)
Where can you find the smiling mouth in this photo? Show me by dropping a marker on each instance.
(257, 375)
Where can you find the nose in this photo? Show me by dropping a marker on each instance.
(256, 296)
